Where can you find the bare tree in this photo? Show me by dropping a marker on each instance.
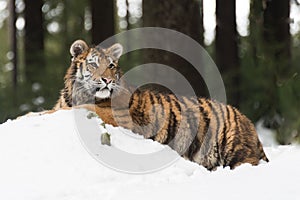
(183, 16)
(277, 54)
(13, 40)
(277, 29)
(34, 39)
(103, 25)
(227, 48)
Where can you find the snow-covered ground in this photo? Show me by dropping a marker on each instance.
(42, 157)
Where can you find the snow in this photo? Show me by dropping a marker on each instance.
(43, 157)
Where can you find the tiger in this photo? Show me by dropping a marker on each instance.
(201, 130)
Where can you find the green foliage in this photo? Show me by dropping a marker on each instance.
(271, 89)
(105, 139)
(270, 80)
(92, 115)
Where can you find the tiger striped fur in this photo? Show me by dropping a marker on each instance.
(204, 131)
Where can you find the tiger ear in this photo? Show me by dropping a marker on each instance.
(115, 51)
(78, 47)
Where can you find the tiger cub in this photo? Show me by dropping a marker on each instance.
(204, 131)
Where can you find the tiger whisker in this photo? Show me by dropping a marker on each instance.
(118, 87)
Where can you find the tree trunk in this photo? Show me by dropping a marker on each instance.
(277, 55)
(256, 24)
(103, 25)
(34, 39)
(183, 16)
(13, 41)
(227, 48)
(277, 29)
(252, 102)
(200, 21)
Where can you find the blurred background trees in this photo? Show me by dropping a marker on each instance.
(255, 44)
(226, 48)
(172, 14)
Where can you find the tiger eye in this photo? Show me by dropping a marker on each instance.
(94, 64)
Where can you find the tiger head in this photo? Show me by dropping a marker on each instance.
(96, 74)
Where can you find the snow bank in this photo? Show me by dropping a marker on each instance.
(42, 157)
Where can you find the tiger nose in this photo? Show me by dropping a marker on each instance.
(106, 80)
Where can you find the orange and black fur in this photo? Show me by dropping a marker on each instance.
(204, 131)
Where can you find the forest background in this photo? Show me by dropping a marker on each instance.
(255, 44)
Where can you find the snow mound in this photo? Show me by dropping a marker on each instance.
(42, 157)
